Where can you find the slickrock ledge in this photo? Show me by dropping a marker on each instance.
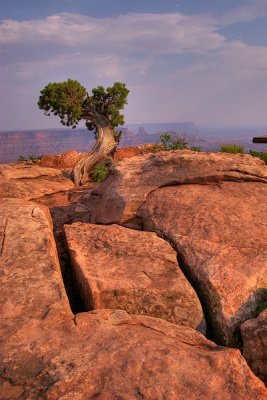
(135, 271)
(212, 207)
(47, 353)
(125, 190)
(31, 181)
(219, 232)
(31, 283)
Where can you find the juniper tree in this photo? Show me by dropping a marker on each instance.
(101, 111)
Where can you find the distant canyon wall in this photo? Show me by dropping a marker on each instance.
(49, 141)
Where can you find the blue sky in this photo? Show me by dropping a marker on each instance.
(190, 60)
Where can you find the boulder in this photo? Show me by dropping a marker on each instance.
(47, 353)
(254, 336)
(31, 181)
(219, 232)
(126, 152)
(135, 271)
(61, 161)
(115, 201)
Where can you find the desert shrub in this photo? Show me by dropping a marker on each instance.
(194, 148)
(260, 154)
(34, 157)
(31, 157)
(231, 148)
(99, 173)
(170, 143)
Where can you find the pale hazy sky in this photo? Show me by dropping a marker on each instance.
(191, 60)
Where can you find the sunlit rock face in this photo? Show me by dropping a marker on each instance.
(136, 271)
(213, 209)
(210, 218)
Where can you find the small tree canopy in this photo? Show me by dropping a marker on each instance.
(70, 101)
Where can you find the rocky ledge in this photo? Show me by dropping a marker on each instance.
(165, 236)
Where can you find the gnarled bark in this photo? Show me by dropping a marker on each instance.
(104, 146)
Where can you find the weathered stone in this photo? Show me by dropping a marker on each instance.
(31, 181)
(61, 161)
(138, 357)
(126, 152)
(28, 255)
(120, 268)
(128, 185)
(254, 335)
(219, 232)
(46, 353)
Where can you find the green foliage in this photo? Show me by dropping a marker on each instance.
(259, 154)
(30, 157)
(34, 158)
(99, 173)
(231, 148)
(169, 143)
(70, 101)
(64, 99)
(195, 148)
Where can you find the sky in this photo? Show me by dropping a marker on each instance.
(201, 61)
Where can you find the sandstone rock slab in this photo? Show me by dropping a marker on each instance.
(60, 161)
(47, 353)
(28, 256)
(128, 185)
(31, 181)
(254, 336)
(120, 268)
(220, 234)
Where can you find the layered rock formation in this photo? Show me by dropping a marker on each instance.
(29, 181)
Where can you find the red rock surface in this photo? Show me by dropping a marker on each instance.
(130, 182)
(254, 335)
(61, 161)
(220, 234)
(26, 241)
(126, 152)
(47, 353)
(135, 271)
(30, 181)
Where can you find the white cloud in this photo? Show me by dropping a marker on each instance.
(177, 66)
(157, 33)
(255, 9)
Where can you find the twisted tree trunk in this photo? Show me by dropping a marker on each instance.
(105, 145)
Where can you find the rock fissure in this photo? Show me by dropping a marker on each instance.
(49, 352)
(60, 205)
(205, 326)
(3, 238)
(72, 291)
